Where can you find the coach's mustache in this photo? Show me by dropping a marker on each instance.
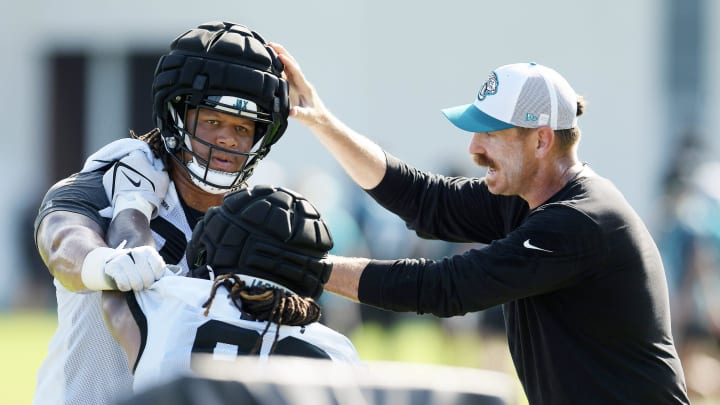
(482, 160)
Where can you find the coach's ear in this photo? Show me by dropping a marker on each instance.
(545, 139)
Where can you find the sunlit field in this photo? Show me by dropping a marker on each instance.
(24, 337)
(23, 345)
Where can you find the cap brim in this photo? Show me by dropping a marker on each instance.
(468, 118)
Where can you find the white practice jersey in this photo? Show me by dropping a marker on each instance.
(178, 327)
(85, 365)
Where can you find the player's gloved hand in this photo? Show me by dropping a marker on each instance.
(122, 269)
(136, 182)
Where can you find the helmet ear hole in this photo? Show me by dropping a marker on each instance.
(196, 255)
(171, 144)
(200, 258)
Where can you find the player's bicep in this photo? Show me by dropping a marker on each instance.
(64, 238)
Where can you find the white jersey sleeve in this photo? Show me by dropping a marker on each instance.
(177, 328)
(84, 364)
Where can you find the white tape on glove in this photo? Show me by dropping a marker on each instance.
(122, 269)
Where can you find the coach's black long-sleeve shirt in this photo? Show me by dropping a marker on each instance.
(580, 279)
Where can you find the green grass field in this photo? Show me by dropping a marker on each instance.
(23, 345)
(24, 337)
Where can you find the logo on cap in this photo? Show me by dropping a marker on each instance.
(489, 88)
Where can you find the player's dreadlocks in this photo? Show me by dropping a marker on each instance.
(266, 304)
(153, 139)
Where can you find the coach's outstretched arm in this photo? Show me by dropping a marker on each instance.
(362, 159)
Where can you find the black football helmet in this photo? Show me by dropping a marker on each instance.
(270, 236)
(228, 68)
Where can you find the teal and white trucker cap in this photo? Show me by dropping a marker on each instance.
(524, 95)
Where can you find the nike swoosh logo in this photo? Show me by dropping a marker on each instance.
(134, 183)
(125, 169)
(529, 245)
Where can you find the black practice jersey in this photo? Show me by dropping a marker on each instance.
(580, 278)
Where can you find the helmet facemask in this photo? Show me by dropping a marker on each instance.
(227, 68)
(208, 179)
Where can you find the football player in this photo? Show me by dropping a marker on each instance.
(219, 103)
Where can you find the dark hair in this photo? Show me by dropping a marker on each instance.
(266, 304)
(154, 140)
(569, 137)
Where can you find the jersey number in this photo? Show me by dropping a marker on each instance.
(228, 341)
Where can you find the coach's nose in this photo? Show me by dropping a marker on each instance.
(477, 143)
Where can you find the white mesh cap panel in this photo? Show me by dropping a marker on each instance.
(566, 101)
(545, 99)
(533, 106)
(520, 94)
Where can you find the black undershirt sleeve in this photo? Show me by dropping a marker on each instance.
(81, 193)
(455, 209)
(141, 322)
(504, 270)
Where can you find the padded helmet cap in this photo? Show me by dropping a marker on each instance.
(215, 60)
(266, 232)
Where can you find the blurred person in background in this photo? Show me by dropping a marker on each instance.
(580, 278)
(690, 243)
(219, 103)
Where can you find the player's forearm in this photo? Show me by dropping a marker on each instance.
(64, 239)
(362, 159)
(132, 227)
(121, 323)
(345, 276)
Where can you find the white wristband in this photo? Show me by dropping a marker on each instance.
(132, 201)
(93, 270)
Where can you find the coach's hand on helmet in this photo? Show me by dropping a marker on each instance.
(305, 104)
(122, 269)
(136, 182)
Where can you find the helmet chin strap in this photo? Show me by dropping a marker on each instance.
(218, 177)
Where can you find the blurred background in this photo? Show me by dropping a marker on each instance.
(77, 74)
